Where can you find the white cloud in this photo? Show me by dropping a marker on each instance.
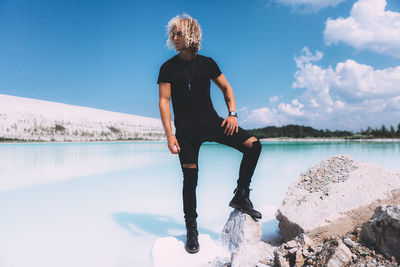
(348, 96)
(262, 115)
(293, 109)
(362, 81)
(307, 57)
(316, 79)
(243, 109)
(274, 99)
(309, 6)
(369, 26)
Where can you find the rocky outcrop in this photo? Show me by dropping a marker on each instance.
(347, 250)
(241, 236)
(383, 231)
(334, 196)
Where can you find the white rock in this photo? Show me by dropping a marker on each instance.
(240, 229)
(341, 256)
(266, 252)
(342, 193)
(245, 256)
(350, 243)
(241, 235)
(291, 244)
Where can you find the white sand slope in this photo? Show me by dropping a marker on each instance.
(170, 251)
(38, 120)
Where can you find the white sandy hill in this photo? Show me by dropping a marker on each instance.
(38, 120)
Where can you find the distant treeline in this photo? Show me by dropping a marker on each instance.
(3, 139)
(299, 131)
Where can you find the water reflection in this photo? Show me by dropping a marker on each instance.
(24, 165)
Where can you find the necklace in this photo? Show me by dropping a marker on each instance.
(189, 78)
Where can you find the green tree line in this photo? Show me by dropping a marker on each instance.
(300, 131)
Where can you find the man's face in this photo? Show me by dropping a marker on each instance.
(178, 39)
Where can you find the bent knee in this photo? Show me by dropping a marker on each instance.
(256, 147)
(250, 142)
(253, 146)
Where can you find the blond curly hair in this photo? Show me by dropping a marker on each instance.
(190, 28)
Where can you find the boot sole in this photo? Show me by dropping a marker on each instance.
(192, 251)
(233, 205)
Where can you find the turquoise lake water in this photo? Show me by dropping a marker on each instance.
(104, 204)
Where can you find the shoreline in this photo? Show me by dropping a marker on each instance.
(286, 139)
(272, 140)
(77, 142)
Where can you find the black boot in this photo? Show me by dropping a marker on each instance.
(242, 202)
(192, 243)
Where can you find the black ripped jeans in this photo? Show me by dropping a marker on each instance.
(190, 147)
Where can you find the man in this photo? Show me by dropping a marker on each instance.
(186, 78)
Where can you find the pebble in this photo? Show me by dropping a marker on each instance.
(291, 244)
(306, 253)
(350, 243)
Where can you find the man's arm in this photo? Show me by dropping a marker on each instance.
(165, 114)
(231, 121)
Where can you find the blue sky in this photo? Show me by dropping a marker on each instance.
(323, 63)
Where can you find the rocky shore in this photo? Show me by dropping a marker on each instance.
(337, 213)
(351, 249)
(335, 196)
(341, 213)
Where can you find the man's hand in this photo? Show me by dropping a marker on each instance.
(173, 145)
(231, 125)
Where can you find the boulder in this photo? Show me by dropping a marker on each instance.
(383, 231)
(241, 236)
(334, 196)
(239, 230)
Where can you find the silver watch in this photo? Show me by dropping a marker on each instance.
(233, 113)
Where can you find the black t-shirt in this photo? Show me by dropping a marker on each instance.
(193, 108)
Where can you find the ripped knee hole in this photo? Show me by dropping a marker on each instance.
(189, 166)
